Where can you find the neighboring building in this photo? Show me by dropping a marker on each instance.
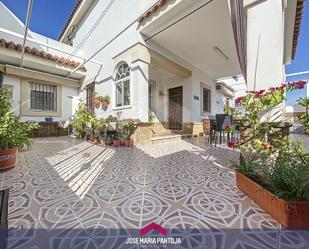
(39, 88)
(292, 111)
(177, 57)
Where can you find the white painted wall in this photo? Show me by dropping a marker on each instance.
(117, 18)
(9, 20)
(15, 82)
(265, 44)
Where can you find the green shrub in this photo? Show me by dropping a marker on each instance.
(13, 132)
(81, 118)
(288, 177)
(247, 166)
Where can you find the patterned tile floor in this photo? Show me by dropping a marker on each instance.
(67, 193)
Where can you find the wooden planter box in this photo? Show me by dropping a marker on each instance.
(289, 215)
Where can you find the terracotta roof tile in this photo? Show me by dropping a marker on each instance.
(297, 25)
(77, 5)
(152, 10)
(40, 53)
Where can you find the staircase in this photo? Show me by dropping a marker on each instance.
(160, 134)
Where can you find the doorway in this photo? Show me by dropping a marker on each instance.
(175, 96)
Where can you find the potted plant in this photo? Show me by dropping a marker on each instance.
(14, 134)
(118, 133)
(110, 123)
(128, 130)
(280, 186)
(272, 170)
(97, 126)
(102, 129)
(108, 141)
(96, 100)
(105, 100)
(80, 120)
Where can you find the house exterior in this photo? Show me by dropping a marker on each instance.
(175, 59)
(170, 55)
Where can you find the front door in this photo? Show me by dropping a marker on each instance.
(175, 108)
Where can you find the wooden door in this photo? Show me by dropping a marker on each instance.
(175, 108)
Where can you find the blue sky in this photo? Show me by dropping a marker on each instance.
(301, 62)
(49, 16)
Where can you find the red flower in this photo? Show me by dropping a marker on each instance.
(260, 92)
(239, 99)
(297, 84)
(233, 144)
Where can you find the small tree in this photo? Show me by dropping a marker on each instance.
(254, 104)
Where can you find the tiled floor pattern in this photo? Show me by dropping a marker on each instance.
(67, 193)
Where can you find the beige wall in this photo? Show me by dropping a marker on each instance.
(25, 101)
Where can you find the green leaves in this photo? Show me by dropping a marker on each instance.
(289, 177)
(304, 117)
(13, 132)
(81, 118)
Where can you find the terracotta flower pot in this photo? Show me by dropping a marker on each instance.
(116, 143)
(7, 158)
(96, 102)
(96, 140)
(128, 142)
(105, 103)
(82, 134)
(289, 214)
(107, 142)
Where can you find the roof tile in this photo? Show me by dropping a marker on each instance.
(40, 53)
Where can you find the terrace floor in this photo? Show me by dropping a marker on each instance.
(67, 193)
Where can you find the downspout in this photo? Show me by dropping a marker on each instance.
(26, 31)
(1, 76)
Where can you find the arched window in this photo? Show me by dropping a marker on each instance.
(122, 85)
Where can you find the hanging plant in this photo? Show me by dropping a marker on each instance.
(105, 100)
(96, 100)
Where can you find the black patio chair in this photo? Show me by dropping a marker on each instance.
(212, 129)
(219, 130)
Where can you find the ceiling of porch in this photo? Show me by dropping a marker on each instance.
(195, 37)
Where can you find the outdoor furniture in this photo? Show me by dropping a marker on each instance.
(50, 129)
(219, 129)
(4, 207)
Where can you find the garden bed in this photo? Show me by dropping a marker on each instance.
(289, 214)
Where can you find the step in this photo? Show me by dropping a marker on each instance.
(164, 137)
(158, 128)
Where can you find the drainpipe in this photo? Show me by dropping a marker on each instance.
(26, 31)
(1, 76)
